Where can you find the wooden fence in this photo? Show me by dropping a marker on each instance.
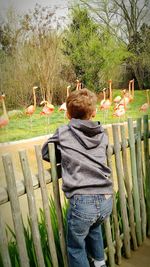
(128, 225)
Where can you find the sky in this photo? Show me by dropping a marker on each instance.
(22, 6)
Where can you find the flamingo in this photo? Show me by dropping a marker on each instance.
(131, 89)
(105, 104)
(119, 112)
(146, 105)
(4, 120)
(47, 110)
(79, 84)
(117, 99)
(125, 99)
(63, 106)
(110, 90)
(31, 109)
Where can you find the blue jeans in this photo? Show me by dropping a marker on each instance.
(84, 237)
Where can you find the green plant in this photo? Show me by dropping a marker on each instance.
(12, 244)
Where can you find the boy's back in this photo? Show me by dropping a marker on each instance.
(82, 146)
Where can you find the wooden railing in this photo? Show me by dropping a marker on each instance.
(130, 224)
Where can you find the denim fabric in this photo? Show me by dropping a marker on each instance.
(84, 237)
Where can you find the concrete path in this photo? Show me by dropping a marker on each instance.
(139, 258)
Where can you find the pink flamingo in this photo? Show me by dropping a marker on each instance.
(117, 99)
(125, 99)
(79, 84)
(47, 110)
(131, 89)
(63, 106)
(4, 120)
(146, 105)
(105, 104)
(120, 111)
(110, 90)
(31, 109)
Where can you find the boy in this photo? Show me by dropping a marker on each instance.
(81, 148)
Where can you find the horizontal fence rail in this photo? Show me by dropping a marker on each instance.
(125, 230)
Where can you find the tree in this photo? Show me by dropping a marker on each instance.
(140, 48)
(123, 19)
(43, 43)
(82, 46)
(94, 53)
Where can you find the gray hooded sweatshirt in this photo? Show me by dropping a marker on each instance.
(81, 149)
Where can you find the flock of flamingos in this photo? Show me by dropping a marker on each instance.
(120, 102)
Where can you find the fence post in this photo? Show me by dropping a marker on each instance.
(147, 171)
(57, 201)
(32, 208)
(15, 207)
(128, 186)
(114, 210)
(140, 178)
(134, 181)
(121, 191)
(44, 194)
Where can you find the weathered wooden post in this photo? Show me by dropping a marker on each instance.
(134, 181)
(138, 147)
(32, 208)
(121, 191)
(147, 170)
(16, 212)
(57, 201)
(128, 186)
(44, 194)
(114, 210)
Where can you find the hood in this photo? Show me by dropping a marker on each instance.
(86, 132)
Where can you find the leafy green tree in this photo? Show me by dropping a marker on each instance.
(82, 47)
(140, 61)
(94, 53)
(124, 19)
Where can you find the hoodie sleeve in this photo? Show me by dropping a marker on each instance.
(45, 153)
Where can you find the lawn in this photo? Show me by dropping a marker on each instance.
(20, 127)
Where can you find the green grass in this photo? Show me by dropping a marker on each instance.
(21, 128)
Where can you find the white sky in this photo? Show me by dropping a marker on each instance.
(25, 5)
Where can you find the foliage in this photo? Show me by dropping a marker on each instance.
(82, 46)
(12, 245)
(140, 48)
(93, 52)
(42, 42)
(30, 55)
(124, 20)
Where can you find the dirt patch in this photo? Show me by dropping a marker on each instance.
(139, 258)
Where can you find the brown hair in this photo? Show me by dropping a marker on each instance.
(81, 104)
